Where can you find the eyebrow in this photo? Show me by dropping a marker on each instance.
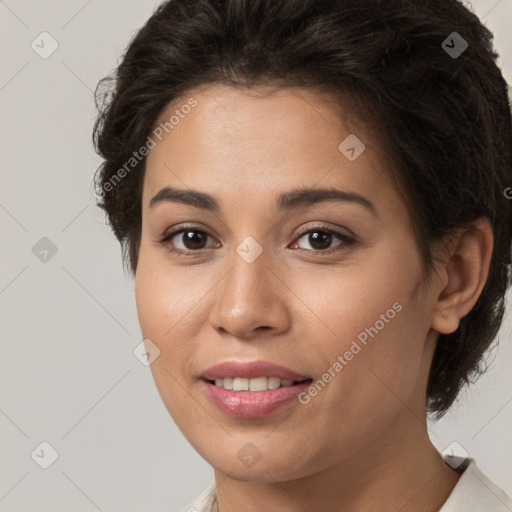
(287, 201)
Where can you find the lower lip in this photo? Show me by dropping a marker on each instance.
(252, 404)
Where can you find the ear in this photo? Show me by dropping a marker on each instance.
(464, 275)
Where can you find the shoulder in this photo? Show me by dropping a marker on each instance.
(474, 492)
(203, 502)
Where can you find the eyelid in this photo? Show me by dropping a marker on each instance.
(324, 227)
(183, 227)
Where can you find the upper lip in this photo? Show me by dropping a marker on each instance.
(250, 370)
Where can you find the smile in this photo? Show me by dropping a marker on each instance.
(252, 389)
(257, 384)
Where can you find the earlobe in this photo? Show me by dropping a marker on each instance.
(465, 275)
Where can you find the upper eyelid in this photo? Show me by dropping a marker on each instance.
(179, 230)
(336, 231)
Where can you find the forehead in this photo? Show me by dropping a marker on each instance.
(224, 139)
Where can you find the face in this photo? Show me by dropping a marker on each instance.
(258, 280)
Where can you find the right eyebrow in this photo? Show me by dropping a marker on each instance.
(191, 197)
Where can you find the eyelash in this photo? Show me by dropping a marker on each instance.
(345, 239)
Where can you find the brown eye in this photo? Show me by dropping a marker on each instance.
(321, 239)
(194, 239)
(186, 241)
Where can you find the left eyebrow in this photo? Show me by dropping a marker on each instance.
(309, 196)
(287, 201)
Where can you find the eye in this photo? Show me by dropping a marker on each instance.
(189, 241)
(186, 241)
(320, 239)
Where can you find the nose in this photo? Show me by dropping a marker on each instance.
(251, 298)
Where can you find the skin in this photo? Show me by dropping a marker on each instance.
(362, 442)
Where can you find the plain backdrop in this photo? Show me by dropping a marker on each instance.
(68, 319)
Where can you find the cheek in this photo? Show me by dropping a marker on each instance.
(162, 314)
(370, 320)
(166, 298)
(162, 311)
(349, 301)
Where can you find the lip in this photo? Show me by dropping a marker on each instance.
(252, 404)
(250, 370)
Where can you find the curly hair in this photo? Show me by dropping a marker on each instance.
(443, 117)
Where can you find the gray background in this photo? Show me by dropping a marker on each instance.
(68, 324)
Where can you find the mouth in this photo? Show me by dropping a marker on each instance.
(252, 389)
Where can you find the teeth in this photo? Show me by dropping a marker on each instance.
(257, 384)
(240, 384)
(273, 382)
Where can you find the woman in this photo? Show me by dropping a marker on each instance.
(310, 195)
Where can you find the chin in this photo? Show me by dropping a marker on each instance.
(274, 465)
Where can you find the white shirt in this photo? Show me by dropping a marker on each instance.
(474, 492)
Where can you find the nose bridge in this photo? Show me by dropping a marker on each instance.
(247, 297)
(249, 274)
